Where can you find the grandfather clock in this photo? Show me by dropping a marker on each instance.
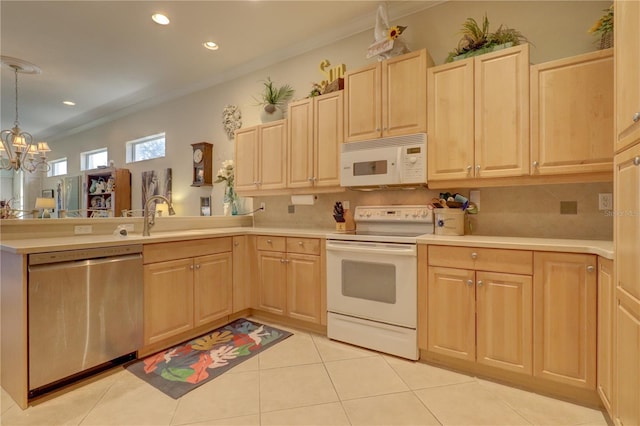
(202, 164)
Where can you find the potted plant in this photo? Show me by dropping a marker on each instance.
(604, 28)
(273, 100)
(477, 39)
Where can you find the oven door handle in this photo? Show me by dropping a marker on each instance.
(398, 250)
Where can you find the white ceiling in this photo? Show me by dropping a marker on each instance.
(108, 55)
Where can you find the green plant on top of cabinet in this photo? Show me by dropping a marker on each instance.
(627, 54)
(387, 98)
(478, 116)
(572, 115)
(314, 138)
(260, 158)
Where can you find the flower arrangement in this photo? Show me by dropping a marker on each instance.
(226, 174)
(395, 31)
(604, 28)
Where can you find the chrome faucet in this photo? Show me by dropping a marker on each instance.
(149, 220)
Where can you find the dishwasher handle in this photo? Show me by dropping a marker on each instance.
(83, 254)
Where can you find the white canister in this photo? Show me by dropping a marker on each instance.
(449, 221)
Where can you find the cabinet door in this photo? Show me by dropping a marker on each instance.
(451, 312)
(565, 301)
(168, 299)
(605, 331)
(272, 155)
(272, 292)
(328, 137)
(504, 327)
(404, 94)
(502, 113)
(241, 273)
(246, 159)
(303, 287)
(300, 144)
(450, 121)
(627, 364)
(571, 127)
(212, 287)
(363, 103)
(627, 54)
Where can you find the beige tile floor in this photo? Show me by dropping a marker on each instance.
(306, 380)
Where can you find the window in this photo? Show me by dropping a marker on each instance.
(58, 167)
(92, 159)
(146, 148)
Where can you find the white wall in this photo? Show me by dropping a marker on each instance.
(555, 28)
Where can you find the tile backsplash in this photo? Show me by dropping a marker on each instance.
(523, 211)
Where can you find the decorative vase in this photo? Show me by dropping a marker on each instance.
(230, 201)
(271, 113)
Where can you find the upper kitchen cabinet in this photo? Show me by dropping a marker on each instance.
(260, 158)
(572, 115)
(627, 70)
(315, 132)
(387, 98)
(478, 116)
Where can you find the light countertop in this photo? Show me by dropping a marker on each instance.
(73, 242)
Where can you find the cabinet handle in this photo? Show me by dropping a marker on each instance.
(636, 117)
(286, 261)
(469, 169)
(197, 266)
(480, 283)
(191, 267)
(310, 179)
(300, 243)
(377, 129)
(636, 161)
(477, 168)
(269, 242)
(469, 283)
(590, 268)
(535, 164)
(474, 255)
(236, 244)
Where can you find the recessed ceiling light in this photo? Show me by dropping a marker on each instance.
(159, 18)
(69, 103)
(210, 45)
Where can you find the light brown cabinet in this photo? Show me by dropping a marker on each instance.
(315, 133)
(479, 306)
(626, 375)
(107, 192)
(260, 158)
(564, 318)
(478, 116)
(184, 290)
(627, 69)
(605, 332)
(290, 277)
(387, 98)
(572, 115)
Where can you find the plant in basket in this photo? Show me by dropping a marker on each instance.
(603, 28)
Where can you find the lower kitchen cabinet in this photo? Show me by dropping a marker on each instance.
(290, 277)
(605, 332)
(565, 303)
(188, 292)
(480, 315)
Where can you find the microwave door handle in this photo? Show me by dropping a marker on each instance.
(399, 177)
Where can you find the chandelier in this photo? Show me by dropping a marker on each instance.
(18, 150)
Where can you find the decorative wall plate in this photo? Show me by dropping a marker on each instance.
(231, 119)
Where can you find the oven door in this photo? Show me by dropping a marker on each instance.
(375, 281)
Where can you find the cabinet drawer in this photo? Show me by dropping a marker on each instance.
(271, 243)
(160, 252)
(482, 259)
(303, 245)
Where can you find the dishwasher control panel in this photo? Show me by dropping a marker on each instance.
(83, 254)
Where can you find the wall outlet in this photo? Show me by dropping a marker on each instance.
(83, 229)
(605, 202)
(345, 205)
(291, 208)
(263, 206)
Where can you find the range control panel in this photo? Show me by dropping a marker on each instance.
(395, 214)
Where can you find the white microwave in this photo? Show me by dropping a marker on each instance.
(400, 160)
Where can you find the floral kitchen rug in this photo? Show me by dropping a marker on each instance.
(183, 368)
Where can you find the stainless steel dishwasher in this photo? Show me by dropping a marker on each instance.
(85, 312)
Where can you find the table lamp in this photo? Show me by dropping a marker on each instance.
(45, 204)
